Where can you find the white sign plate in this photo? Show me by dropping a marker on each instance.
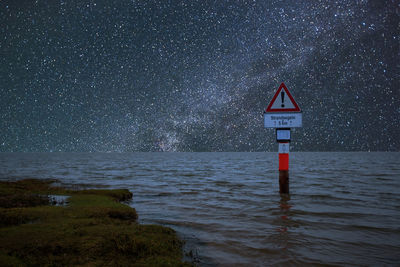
(283, 134)
(283, 120)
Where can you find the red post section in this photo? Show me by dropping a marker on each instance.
(283, 161)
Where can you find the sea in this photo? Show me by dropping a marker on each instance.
(343, 208)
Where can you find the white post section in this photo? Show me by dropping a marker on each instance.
(283, 148)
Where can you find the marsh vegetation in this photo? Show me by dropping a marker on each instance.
(93, 227)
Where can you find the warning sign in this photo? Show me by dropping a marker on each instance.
(283, 101)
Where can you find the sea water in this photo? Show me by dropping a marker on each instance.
(343, 208)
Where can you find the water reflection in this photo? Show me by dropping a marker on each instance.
(284, 207)
(282, 236)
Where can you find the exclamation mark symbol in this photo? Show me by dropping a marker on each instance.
(283, 98)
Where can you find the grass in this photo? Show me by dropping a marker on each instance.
(94, 229)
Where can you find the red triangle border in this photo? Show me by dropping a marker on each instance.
(296, 107)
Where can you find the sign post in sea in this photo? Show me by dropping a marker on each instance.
(282, 114)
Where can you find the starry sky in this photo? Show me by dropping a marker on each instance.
(165, 75)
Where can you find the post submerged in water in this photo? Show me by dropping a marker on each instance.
(284, 167)
(282, 114)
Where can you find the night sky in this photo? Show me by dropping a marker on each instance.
(197, 75)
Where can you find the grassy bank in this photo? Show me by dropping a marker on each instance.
(93, 228)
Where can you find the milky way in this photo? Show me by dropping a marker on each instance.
(197, 75)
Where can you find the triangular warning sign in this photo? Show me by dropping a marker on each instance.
(283, 101)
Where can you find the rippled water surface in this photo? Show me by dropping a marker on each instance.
(344, 208)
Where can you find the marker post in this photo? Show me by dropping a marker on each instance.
(282, 114)
(283, 138)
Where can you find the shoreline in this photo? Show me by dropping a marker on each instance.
(88, 227)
